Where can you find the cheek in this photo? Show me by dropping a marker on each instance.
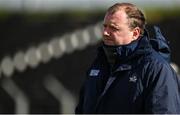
(123, 38)
(127, 34)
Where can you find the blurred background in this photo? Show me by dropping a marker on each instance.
(46, 46)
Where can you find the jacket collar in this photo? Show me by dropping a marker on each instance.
(123, 55)
(116, 54)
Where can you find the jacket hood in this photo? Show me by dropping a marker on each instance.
(160, 44)
(156, 42)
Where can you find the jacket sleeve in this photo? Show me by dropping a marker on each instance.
(162, 91)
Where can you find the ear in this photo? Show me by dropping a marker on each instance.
(136, 33)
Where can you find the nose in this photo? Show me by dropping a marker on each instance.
(106, 32)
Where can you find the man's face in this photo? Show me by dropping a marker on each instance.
(116, 29)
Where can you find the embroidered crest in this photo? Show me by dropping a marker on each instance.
(94, 72)
(133, 78)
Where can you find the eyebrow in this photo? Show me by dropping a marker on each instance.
(115, 26)
(111, 24)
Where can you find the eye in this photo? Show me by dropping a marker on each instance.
(104, 25)
(114, 28)
(111, 27)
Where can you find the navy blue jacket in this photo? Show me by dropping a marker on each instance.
(142, 81)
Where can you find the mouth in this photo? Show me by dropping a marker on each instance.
(107, 41)
(106, 38)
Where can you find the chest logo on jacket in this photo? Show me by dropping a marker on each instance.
(133, 78)
(94, 72)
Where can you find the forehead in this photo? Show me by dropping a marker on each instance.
(118, 17)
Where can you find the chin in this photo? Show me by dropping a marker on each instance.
(108, 43)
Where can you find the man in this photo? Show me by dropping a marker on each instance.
(131, 73)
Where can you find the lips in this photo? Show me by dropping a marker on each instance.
(108, 41)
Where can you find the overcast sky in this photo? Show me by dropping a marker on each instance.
(36, 5)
